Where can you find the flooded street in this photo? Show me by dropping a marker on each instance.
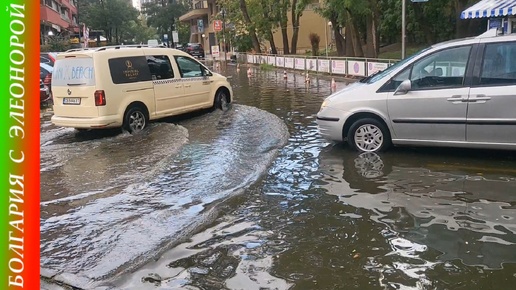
(254, 198)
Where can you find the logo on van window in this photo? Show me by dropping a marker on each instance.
(129, 69)
(130, 73)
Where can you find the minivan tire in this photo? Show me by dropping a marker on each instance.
(135, 119)
(221, 101)
(369, 135)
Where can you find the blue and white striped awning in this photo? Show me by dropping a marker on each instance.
(490, 8)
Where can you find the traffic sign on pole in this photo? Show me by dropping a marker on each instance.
(217, 25)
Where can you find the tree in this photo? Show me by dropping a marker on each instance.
(99, 15)
(162, 14)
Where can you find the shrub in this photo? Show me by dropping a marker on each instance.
(314, 41)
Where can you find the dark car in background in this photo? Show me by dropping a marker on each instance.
(194, 49)
(45, 74)
(180, 47)
(44, 93)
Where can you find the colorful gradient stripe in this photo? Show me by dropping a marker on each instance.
(19, 145)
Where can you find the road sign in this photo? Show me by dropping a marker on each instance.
(215, 53)
(217, 25)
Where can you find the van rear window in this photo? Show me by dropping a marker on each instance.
(129, 69)
(73, 71)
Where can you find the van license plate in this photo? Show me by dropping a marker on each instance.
(72, 101)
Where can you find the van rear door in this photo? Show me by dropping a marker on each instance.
(73, 86)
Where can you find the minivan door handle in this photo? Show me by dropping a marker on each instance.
(480, 99)
(457, 99)
(188, 86)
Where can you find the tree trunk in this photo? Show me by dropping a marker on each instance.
(274, 50)
(370, 41)
(295, 26)
(461, 25)
(355, 36)
(349, 39)
(340, 42)
(284, 35)
(252, 30)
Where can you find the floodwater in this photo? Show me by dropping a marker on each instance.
(253, 198)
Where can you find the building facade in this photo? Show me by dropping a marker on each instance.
(58, 17)
(201, 17)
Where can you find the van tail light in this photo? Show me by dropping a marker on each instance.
(100, 98)
(48, 79)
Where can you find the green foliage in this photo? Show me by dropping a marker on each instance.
(163, 14)
(243, 42)
(56, 44)
(266, 66)
(111, 16)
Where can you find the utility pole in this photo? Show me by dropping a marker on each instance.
(223, 11)
(403, 8)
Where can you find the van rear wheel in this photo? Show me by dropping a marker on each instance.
(135, 119)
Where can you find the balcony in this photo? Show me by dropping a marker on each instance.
(49, 15)
(194, 14)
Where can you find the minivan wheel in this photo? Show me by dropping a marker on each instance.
(369, 135)
(221, 101)
(135, 119)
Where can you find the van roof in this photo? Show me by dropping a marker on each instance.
(93, 50)
(490, 35)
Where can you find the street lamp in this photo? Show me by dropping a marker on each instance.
(223, 12)
(326, 35)
(50, 33)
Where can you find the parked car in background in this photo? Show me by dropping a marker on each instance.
(45, 74)
(44, 93)
(460, 93)
(194, 49)
(180, 47)
(48, 58)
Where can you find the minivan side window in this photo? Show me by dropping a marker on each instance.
(160, 67)
(443, 69)
(188, 67)
(499, 64)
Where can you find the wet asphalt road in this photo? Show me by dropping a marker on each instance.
(253, 198)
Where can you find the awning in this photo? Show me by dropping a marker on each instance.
(490, 8)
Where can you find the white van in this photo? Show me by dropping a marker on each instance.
(460, 93)
(126, 86)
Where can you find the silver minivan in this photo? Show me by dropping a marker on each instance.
(460, 93)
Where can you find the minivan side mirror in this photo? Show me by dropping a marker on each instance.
(403, 88)
(206, 72)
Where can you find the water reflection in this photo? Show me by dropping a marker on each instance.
(460, 209)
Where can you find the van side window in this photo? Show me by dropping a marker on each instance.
(445, 68)
(160, 67)
(188, 67)
(394, 83)
(499, 64)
